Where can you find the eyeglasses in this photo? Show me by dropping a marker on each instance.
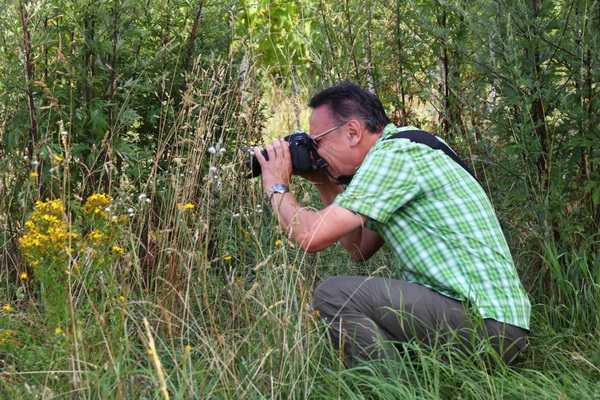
(320, 135)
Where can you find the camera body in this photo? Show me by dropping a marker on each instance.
(301, 146)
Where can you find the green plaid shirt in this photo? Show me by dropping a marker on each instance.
(441, 225)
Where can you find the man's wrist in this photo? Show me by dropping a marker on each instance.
(277, 188)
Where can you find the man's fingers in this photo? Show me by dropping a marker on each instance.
(279, 148)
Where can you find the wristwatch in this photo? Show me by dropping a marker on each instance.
(277, 188)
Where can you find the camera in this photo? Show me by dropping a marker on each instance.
(301, 146)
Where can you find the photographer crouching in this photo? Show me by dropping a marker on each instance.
(405, 188)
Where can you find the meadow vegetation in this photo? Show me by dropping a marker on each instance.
(136, 259)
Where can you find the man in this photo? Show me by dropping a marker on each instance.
(459, 285)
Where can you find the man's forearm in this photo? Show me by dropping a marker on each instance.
(286, 209)
(299, 223)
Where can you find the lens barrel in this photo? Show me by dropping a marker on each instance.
(252, 162)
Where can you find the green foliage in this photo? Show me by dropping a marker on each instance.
(278, 36)
(149, 102)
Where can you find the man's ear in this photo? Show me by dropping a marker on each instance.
(355, 132)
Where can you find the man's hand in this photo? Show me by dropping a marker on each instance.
(278, 168)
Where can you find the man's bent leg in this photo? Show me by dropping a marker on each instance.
(368, 310)
(345, 303)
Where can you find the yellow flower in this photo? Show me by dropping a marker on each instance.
(96, 204)
(227, 258)
(188, 206)
(278, 243)
(122, 299)
(24, 275)
(118, 249)
(58, 331)
(317, 313)
(6, 307)
(149, 352)
(239, 281)
(33, 175)
(247, 233)
(58, 158)
(96, 235)
(6, 336)
(188, 347)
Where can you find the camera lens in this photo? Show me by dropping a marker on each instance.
(252, 162)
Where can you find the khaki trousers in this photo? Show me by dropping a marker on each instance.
(370, 318)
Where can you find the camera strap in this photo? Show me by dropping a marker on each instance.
(426, 138)
(321, 163)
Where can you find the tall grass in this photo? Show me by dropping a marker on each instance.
(210, 299)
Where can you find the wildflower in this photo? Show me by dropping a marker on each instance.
(58, 158)
(227, 258)
(118, 249)
(64, 133)
(188, 206)
(188, 347)
(35, 162)
(213, 169)
(96, 235)
(6, 308)
(278, 243)
(58, 331)
(118, 220)
(149, 352)
(122, 299)
(51, 170)
(97, 204)
(317, 313)
(33, 175)
(6, 336)
(142, 196)
(247, 233)
(239, 282)
(24, 275)
(212, 150)
(222, 150)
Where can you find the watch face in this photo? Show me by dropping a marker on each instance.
(279, 188)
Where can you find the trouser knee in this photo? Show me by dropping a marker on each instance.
(324, 291)
(323, 294)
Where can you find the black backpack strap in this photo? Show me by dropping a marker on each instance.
(430, 140)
